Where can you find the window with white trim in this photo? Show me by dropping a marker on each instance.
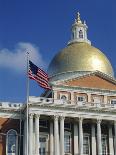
(67, 126)
(63, 97)
(86, 145)
(104, 145)
(80, 34)
(12, 142)
(113, 101)
(43, 144)
(67, 142)
(43, 123)
(81, 98)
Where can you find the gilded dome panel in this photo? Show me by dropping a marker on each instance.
(80, 56)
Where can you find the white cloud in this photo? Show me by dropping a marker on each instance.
(16, 59)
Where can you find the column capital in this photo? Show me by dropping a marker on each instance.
(62, 117)
(31, 115)
(99, 121)
(114, 122)
(80, 119)
(76, 120)
(56, 117)
(37, 115)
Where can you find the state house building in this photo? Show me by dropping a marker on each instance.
(76, 117)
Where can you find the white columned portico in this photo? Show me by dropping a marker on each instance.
(93, 139)
(99, 143)
(37, 134)
(25, 138)
(51, 139)
(111, 149)
(30, 134)
(115, 137)
(80, 136)
(56, 136)
(62, 135)
(76, 151)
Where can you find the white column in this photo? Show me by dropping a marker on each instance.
(56, 136)
(93, 139)
(37, 134)
(51, 139)
(62, 135)
(99, 143)
(55, 95)
(115, 137)
(111, 149)
(76, 151)
(25, 138)
(89, 97)
(72, 98)
(105, 99)
(80, 136)
(30, 134)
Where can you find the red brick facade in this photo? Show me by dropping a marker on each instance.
(5, 125)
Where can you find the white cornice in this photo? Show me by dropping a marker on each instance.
(73, 112)
(84, 89)
(6, 114)
(81, 74)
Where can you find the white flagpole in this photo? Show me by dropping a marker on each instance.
(27, 100)
(20, 135)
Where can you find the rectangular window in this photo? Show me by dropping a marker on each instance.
(67, 143)
(67, 126)
(81, 98)
(43, 123)
(104, 145)
(86, 145)
(113, 102)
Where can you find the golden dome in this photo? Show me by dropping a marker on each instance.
(80, 56)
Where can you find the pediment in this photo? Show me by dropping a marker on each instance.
(91, 81)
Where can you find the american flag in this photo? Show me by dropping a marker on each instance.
(37, 74)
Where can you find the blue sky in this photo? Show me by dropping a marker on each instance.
(43, 27)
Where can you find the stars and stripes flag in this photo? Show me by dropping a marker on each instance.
(37, 74)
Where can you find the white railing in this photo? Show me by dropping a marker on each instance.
(10, 105)
(55, 102)
(43, 100)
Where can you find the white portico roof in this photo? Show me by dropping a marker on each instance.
(49, 106)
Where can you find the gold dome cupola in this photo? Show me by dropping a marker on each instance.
(79, 31)
(79, 56)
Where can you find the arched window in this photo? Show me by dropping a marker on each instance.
(80, 34)
(11, 143)
(63, 97)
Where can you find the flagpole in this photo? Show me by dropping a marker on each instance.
(20, 131)
(27, 100)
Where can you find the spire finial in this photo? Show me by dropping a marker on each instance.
(78, 15)
(79, 31)
(84, 22)
(78, 18)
